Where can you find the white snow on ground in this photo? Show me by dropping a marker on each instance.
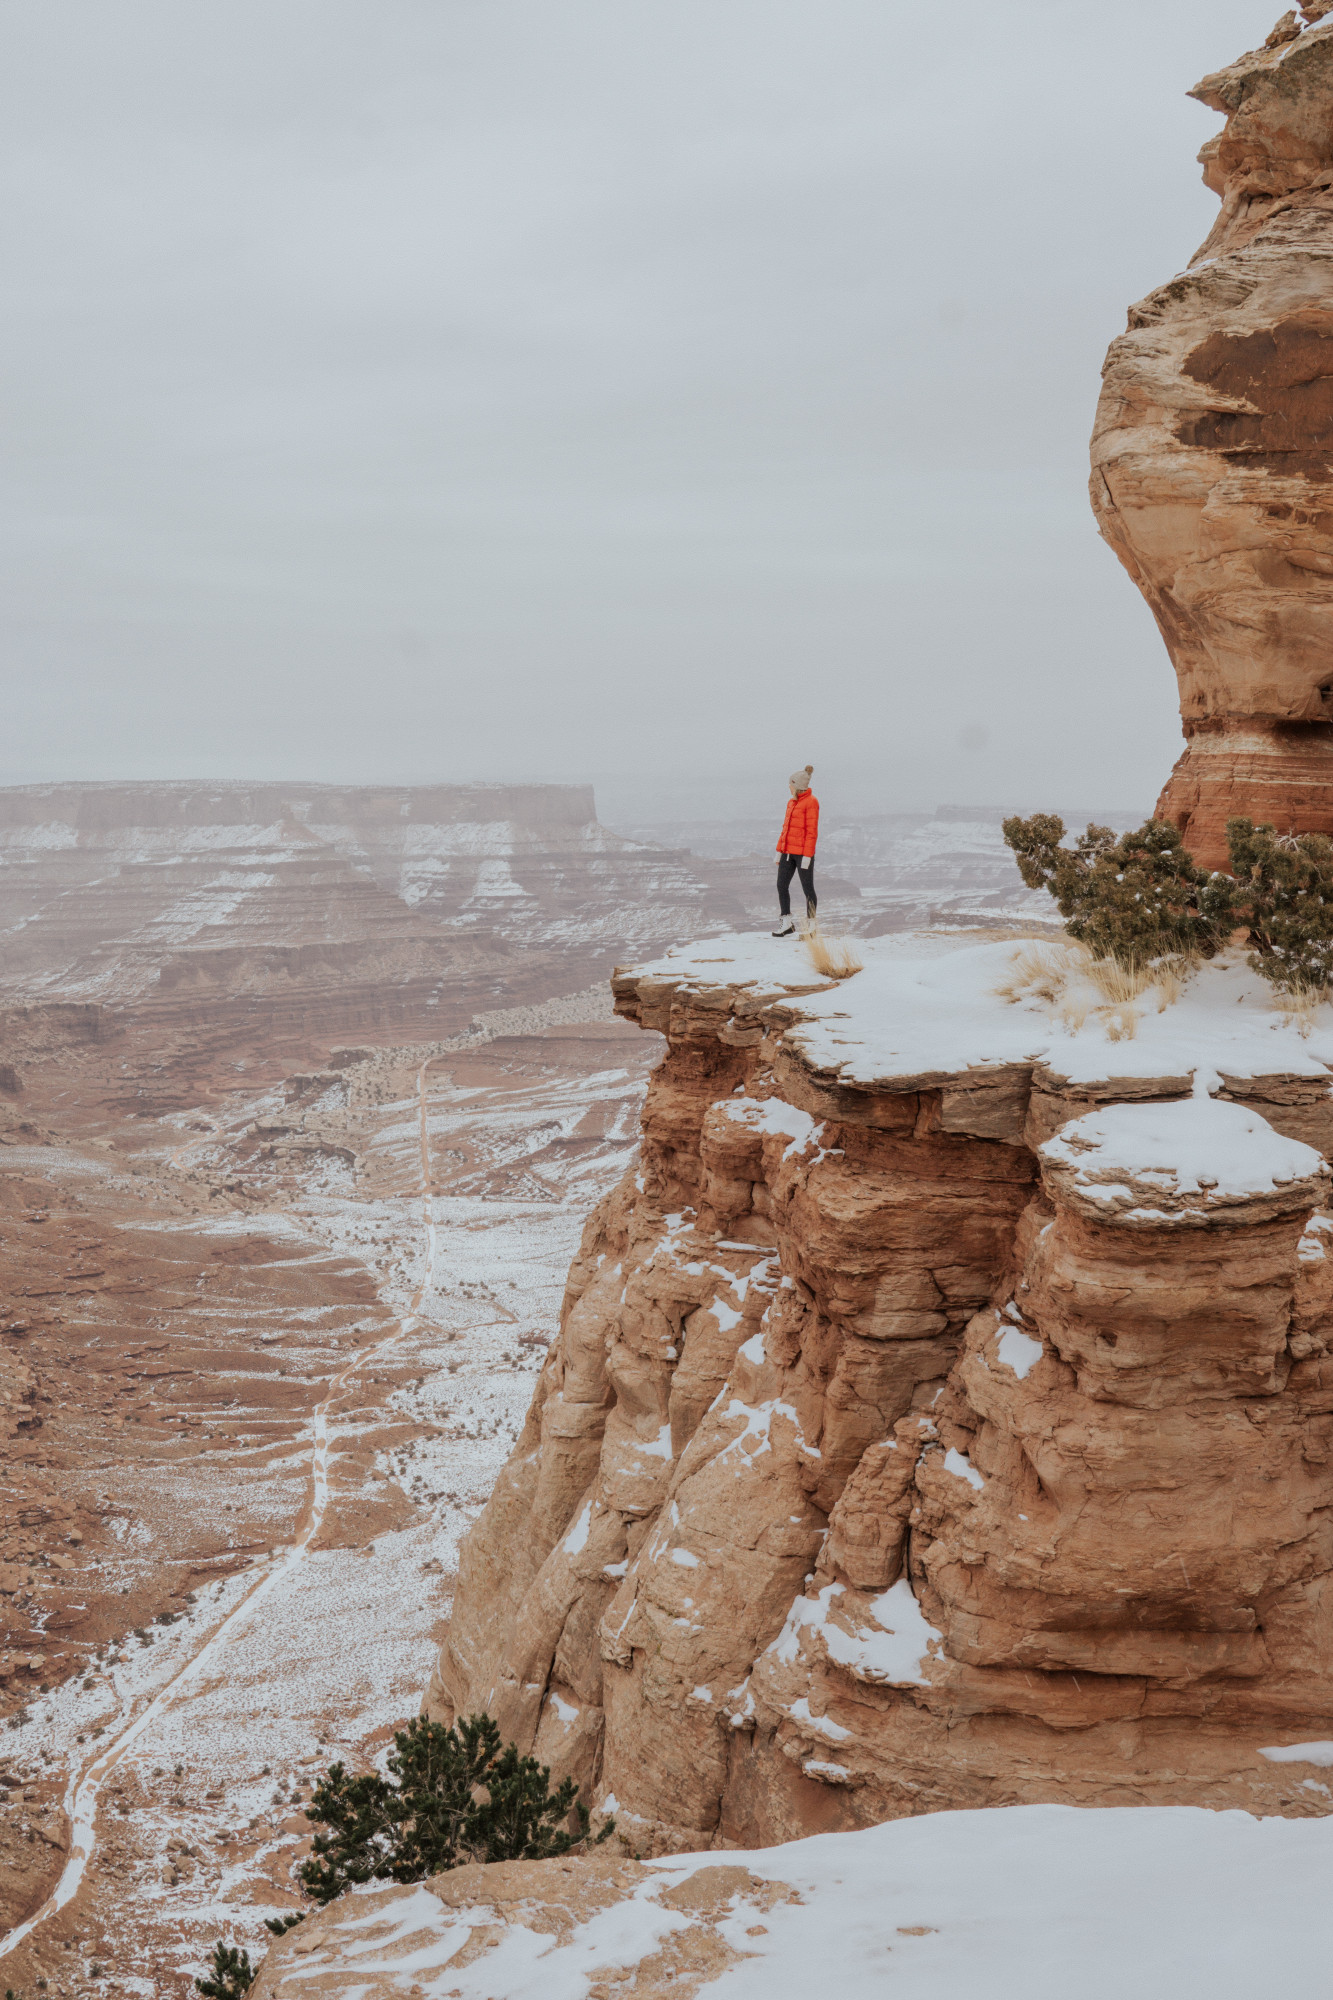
(893, 1650)
(1299, 1753)
(1197, 1146)
(890, 1652)
(929, 1005)
(961, 1466)
(1019, 1351)
(771, 1114)
(1039, 1902)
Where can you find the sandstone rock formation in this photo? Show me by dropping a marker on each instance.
(1211, 471)
(942, 1415)
(940, 1908)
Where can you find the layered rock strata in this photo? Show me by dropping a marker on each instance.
(209, 919)
(1211, 466)
(942, 1415)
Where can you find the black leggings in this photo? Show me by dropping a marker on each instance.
(789, 865)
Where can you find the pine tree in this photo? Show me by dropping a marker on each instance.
(281, 1925)
(1134, 900)
(453, 1795)
(1284, 892)
(233, 1975)
(522, 1819)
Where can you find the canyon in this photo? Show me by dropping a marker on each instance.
(217, 911)
(858, 1429)
(291, 1169)
(305, 1097)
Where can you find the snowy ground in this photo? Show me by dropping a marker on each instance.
(1017, 1903)
(941, 1005)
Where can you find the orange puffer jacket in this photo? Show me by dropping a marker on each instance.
(800, 827)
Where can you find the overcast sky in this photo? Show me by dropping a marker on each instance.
(663, 392)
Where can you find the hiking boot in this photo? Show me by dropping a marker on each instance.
(786, 928)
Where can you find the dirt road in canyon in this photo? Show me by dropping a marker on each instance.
(277, 1347)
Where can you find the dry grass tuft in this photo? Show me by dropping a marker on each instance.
(1120, 983)
(1169, 979)
(1041, 972)
(1122, 1023)
(1074, 1013)
(832, 958)
(1001, 933)
(1300, 1004)
(1078, 987)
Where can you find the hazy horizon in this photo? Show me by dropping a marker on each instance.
(626, 802)
(656, 399)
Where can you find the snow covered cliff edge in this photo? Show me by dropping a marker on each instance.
(942, 1413)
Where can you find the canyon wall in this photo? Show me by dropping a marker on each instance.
(941, 1415)
(128, 893)
(1211, 467)
(212, 922)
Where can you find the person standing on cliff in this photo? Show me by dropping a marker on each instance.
(796, 849)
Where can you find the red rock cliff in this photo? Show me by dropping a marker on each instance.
(942, 1415)
(1212, 451)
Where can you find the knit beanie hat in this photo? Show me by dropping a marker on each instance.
(801, 779)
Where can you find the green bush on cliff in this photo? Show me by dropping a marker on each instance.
(452, 1796)
(1141, 898)
(233, 1974)
(1283, 893)
(1135, 899)
(281, 1925)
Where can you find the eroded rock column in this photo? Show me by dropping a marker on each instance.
(1212, 451)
